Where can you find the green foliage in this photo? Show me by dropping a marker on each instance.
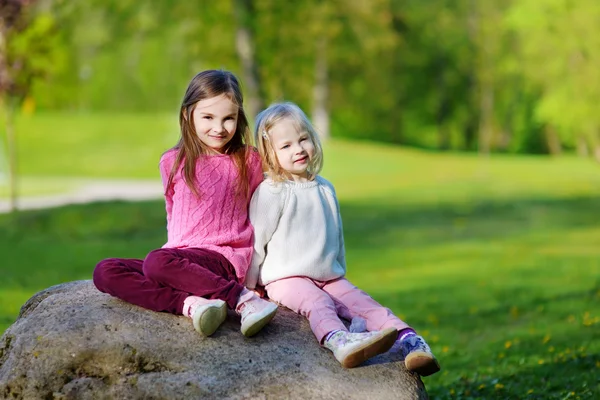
(560, 54)
(494, 260)
(29, 52)
(505, 76)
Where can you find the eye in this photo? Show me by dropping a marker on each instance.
(285, 146)
(207, 117)
(303, 139)
(230, 119)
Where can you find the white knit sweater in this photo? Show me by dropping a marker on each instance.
(297, 232)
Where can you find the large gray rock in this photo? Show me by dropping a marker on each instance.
(73, 342)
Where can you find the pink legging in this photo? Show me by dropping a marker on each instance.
(323, 303)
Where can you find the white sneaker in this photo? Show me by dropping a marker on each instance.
(255, 313)
(208, 316)
(352, 349)
(418, 356)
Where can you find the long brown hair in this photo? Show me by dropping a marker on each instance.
(205, 85)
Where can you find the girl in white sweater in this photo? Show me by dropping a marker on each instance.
(299, 252)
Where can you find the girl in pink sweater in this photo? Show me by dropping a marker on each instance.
(208, 179)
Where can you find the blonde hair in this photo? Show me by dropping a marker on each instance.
(266, 120)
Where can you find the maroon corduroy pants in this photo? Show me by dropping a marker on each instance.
(163, 280)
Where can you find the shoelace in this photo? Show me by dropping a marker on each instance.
(246, 308)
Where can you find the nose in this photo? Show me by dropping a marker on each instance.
(218, 127)
(298, 148)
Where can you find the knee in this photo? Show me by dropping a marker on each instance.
(103, 274)
(155, 262)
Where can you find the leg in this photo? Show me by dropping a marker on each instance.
(358, 303)
(124, 278)
(199, 272)
(304, 297)
(416, 352)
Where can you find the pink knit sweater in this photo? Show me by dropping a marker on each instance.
(216, 220)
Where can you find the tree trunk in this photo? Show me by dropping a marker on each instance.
(597, 153)
(244, 42)
(596, 143)
(552, 141)
(443, 107)
(582, 147)
(4, 77)
(320, 113)
(470, 133)
(471, 125)
(486, 116)
(12, 154)
(396, 125)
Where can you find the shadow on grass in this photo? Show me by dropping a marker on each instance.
(384, 225)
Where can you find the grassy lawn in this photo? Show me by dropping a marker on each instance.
(495, 261)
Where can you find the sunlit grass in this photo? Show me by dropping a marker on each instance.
(93, 145)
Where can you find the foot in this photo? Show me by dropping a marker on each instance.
(255, 313)
(352, 349)
(208, 316)
(418, 356)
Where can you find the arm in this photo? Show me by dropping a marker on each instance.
(265, 210)
(341, 258)
(255, 173)
(165, 165)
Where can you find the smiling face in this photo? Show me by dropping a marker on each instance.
(293, 148)
(215, 120)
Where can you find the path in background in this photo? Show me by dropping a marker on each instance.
(92, 190)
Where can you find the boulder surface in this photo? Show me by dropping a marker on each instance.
(73, 342)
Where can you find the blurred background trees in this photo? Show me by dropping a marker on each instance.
(487, 76)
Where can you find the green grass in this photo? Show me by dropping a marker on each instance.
(97, 145)
(495, 261)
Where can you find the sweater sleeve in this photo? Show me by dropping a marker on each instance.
(265, 211)
(255, 169)
(342, 251)
(165, 165)
(341, 257)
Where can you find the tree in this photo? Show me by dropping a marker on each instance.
(559, 46)
(244, 43)
(26, 50)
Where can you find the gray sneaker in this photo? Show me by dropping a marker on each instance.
(352, 349)
(418, 356)
(255, 313)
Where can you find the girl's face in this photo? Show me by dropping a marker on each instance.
(215, 120)
(293, 148)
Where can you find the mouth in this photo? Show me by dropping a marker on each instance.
(301, 160)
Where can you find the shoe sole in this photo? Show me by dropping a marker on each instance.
(378, 345)
(211, 318)
(255, 323)
(422, 363)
